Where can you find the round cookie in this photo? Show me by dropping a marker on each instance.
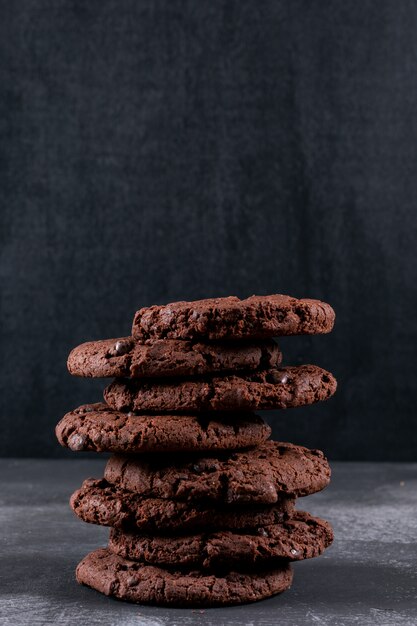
(98, 502)
(231, 318)
(132, 581)
(99, 428)
(268, 389)
(126, 357)
(300, 537)
(261, 475)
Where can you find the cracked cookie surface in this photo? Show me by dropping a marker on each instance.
(146, 584)
(126, 357)
(300, 537)
(261, 475)
(99, 502)
(99, 428)
(269, 389)
(232, 318)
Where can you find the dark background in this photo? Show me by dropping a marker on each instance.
(153, 151)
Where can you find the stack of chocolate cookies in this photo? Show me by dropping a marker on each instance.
(200, 502)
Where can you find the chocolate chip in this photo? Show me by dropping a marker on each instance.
(131, 414)
(85, 409)
(294, 552)
(232, 496)
(277, 377)
(131, 581)
(76, 442)
(206, 466)
(121, 347)
(262, 532)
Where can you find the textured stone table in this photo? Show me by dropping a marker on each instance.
(369, 576)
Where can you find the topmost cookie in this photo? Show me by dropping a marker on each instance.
(231, 318)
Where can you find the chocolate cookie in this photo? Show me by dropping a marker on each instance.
(129, 580)
(268, 389)
(261, 475)
(300, 537)
(127, 358)
(98, 502)
(99, 428)
(231, 318)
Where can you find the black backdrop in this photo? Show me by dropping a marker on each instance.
(153, 151)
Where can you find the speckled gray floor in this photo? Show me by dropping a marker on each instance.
(369, 576)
